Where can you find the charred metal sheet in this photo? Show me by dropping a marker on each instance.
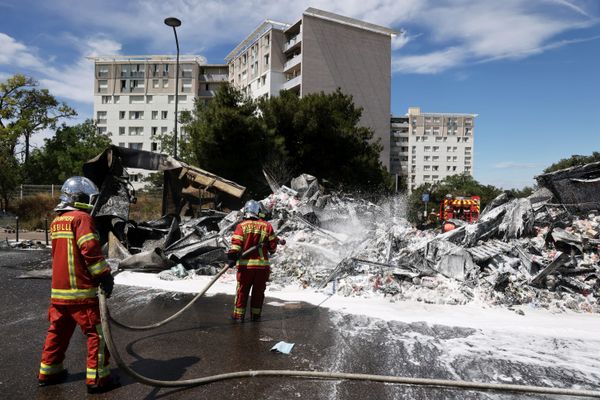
(559, 260)
(577, 187)
(107, 171)
(179, 250)
(565, 241)
(490, 249)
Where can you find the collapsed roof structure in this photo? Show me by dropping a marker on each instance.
(542, 250)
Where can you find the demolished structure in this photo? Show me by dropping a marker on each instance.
(541, 251)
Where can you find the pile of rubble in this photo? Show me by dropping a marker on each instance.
(531, 251)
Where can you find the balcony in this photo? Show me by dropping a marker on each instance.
(207, 93)
(293, 42)
(292, 83)
(289, 64)
(213, 78)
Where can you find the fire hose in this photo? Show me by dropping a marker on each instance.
(427, 382)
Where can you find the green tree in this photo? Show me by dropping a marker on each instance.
(322, 137)
(227, 137)
(573, 161)
(64, 154)
(25, 110)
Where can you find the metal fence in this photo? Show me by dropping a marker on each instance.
(54, 191)
(31, 190)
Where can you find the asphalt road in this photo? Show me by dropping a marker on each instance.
(203, 342)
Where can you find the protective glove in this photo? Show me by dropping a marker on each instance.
(106, 283)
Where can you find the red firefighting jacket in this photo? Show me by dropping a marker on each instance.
(251, 232)
(77, 259)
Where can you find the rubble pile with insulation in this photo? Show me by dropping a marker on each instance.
(531, 251)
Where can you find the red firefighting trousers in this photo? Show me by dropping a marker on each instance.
(255, 279)
(63, 319)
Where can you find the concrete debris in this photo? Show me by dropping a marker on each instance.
(531, 251)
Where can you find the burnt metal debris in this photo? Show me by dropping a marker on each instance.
(539, 251)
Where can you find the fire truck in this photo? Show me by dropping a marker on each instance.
(459, 207)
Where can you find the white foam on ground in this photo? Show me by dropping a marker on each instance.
(536, 322)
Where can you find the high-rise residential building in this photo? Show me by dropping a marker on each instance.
(427, 147)
(134, 96)
(320, 52)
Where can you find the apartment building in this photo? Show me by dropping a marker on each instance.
(427, 147)
(134, 96)
(321, 51)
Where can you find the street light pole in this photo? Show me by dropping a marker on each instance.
(174, 22)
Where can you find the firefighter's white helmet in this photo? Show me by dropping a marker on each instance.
(251, 209)
(77, 193)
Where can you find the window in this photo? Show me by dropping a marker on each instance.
(425, 138)
(436, 148)
(121, 114)
(102, 86)
(136, 99)
(426, 158)
(117, 99)
(136, 146)
(164, 114)
(102, 71)
(136, 131)
(121, 144)
(163, 129)
(165, 83)
(186, 86)
(266, 59)
(101, 130)
(154, 146)
(101, 117)
(153, 131)
(426, 167)
(435, 168)
(155, 83)
(449, 158)
(149, 99)
(436, 158)
(106, 99)
(181, 99)
(121, 131)
(171, 99)
(154, 114)
(136, 84)
(136, 115)
(206, 87)
(427, 148)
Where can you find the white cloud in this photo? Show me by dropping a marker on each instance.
(70, 81)
(429, 63)
(516, 165)
(17, 54)
(75, 82)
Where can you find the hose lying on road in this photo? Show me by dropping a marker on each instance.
(440, 383)
(188, 305)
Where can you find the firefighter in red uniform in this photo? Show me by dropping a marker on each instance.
(78, 268)
(253, 268)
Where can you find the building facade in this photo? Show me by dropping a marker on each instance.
(134, 97)
(427, 147)
(320, 52)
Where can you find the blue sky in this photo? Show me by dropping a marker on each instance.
(529, 68)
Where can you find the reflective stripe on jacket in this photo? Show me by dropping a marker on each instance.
(77, 259)
(249, 233)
